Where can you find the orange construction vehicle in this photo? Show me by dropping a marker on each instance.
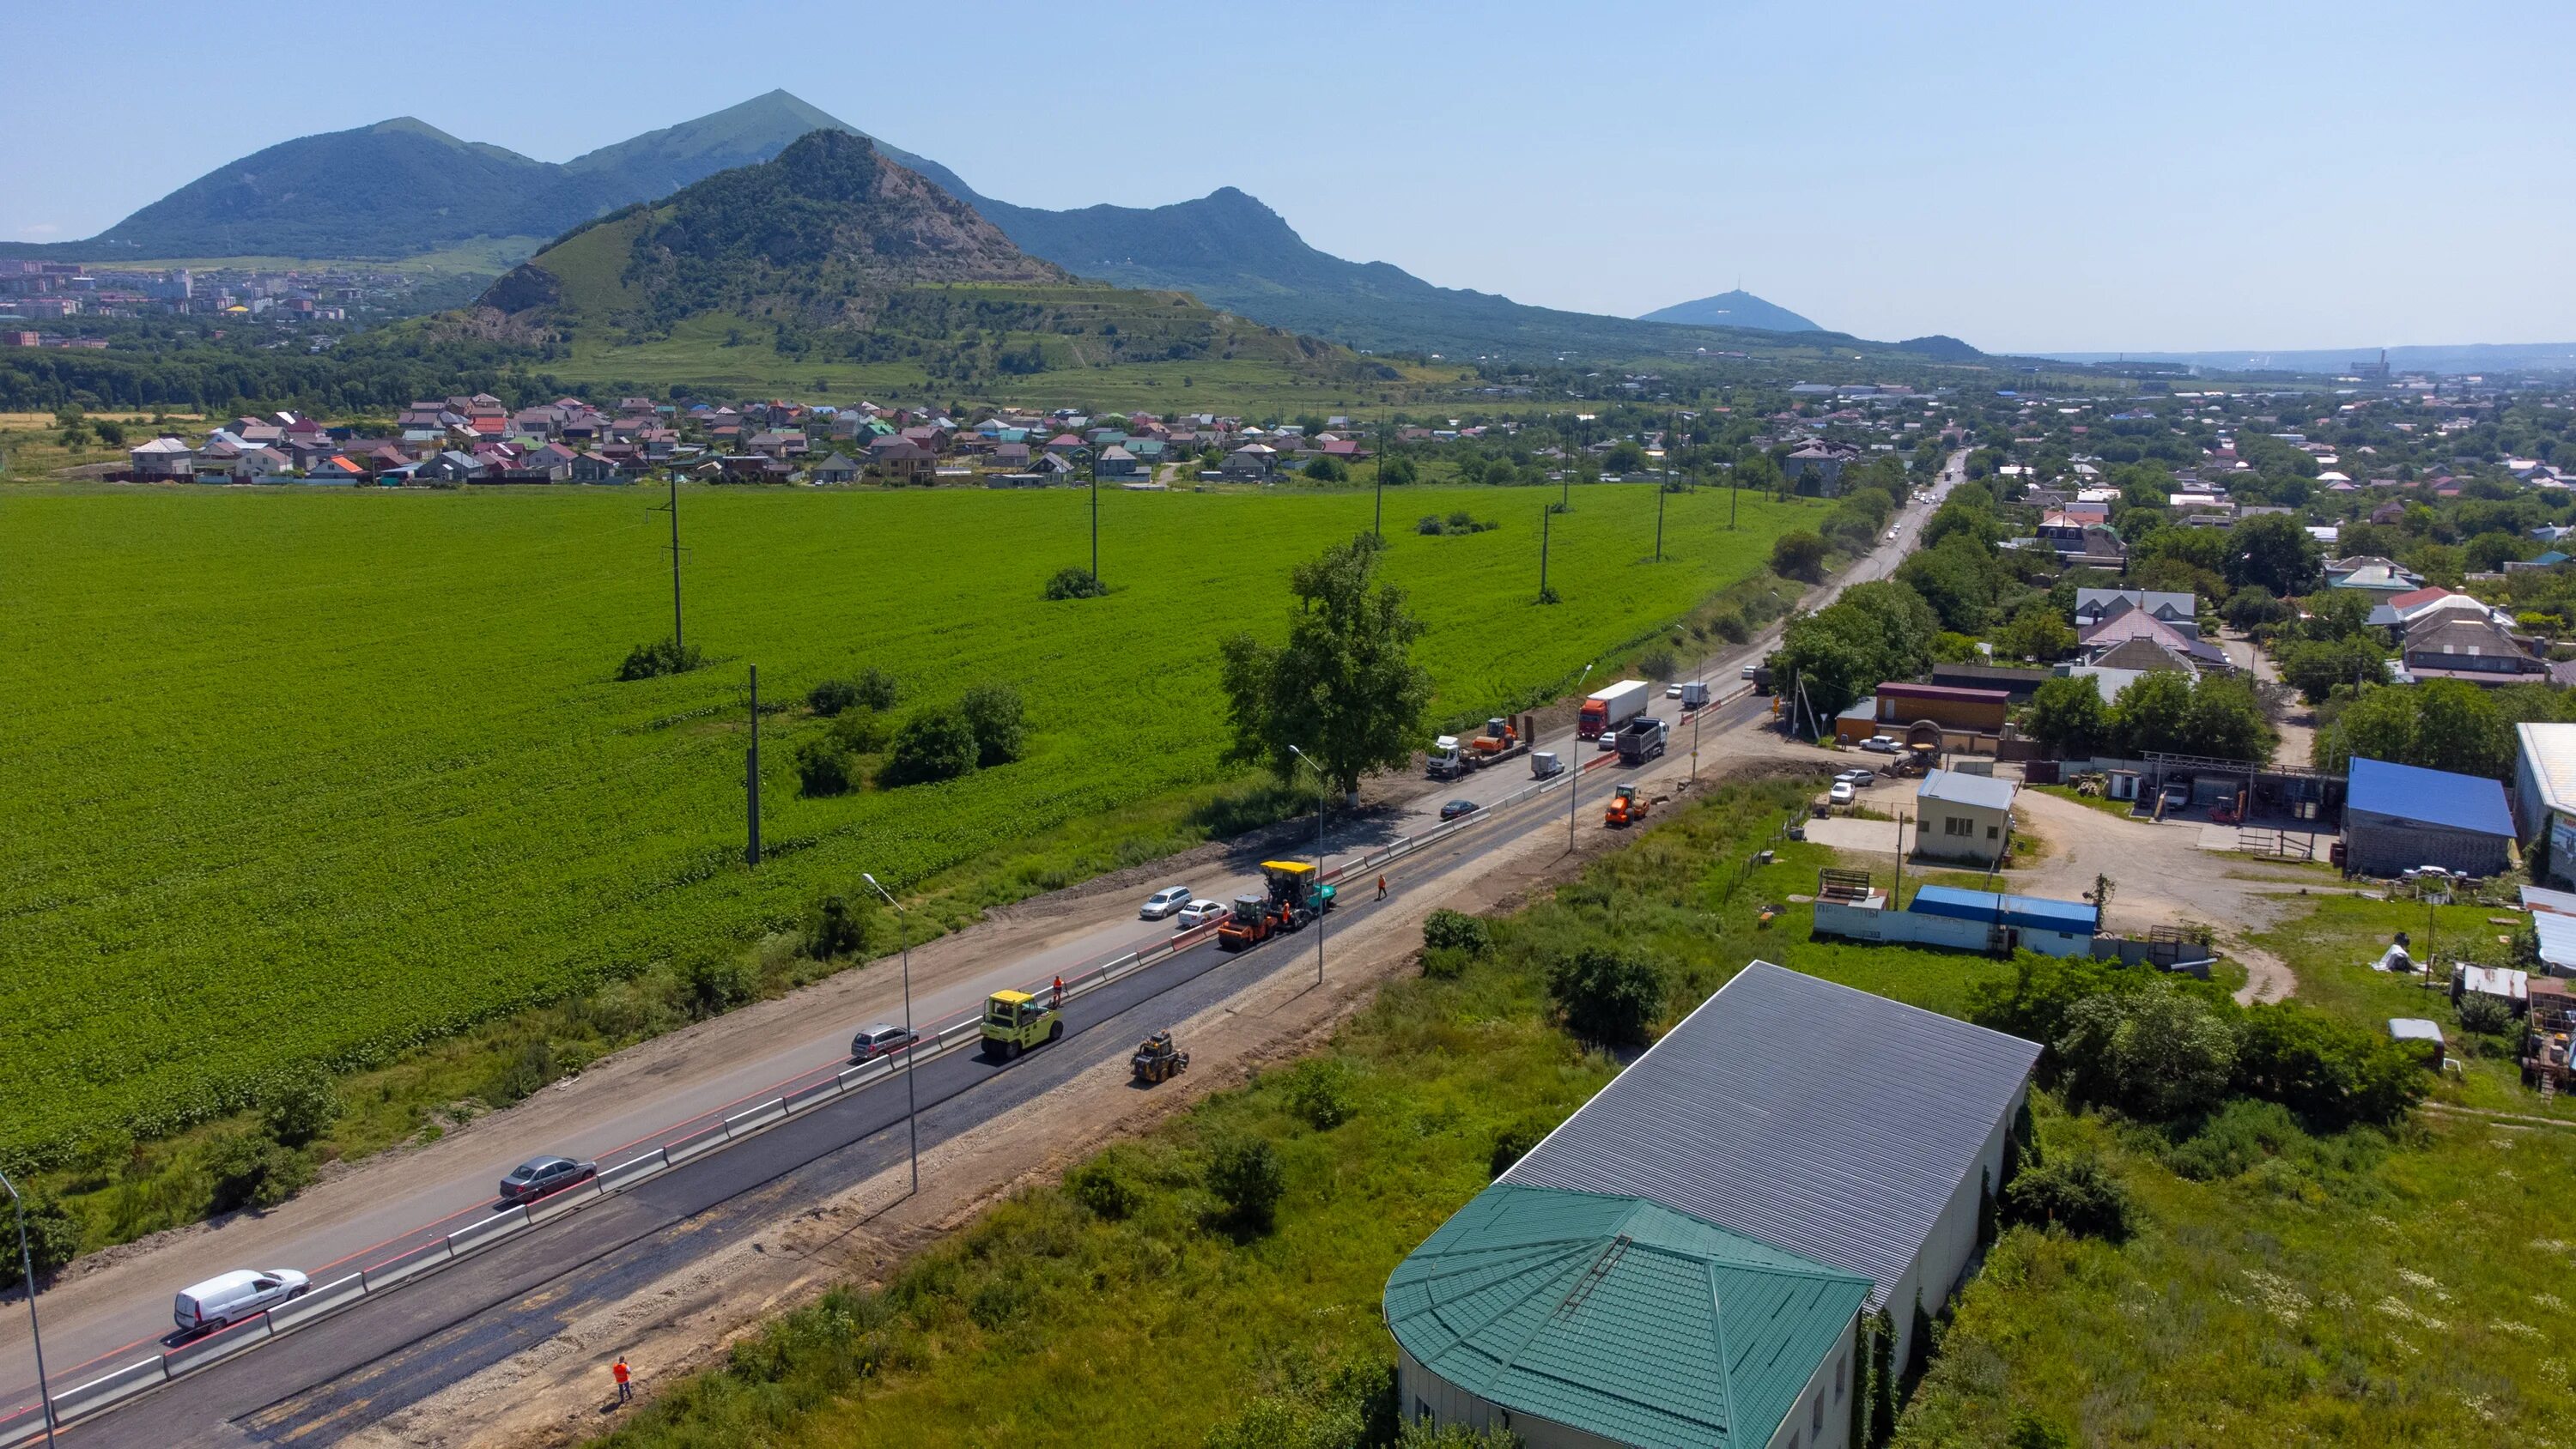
(1295, 898)
(1628, 805)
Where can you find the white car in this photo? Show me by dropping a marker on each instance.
(1880, 744)
(234, 1296)
(1748, 671)
(1199, 913)
(1841, 794)
(1858, 779)
(1672, 691)
(1164, 902)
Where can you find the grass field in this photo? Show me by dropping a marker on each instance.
(316, 776)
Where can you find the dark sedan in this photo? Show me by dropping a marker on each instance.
(539, 1176)
(1456, 808)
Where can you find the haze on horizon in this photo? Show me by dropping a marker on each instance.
(2194, 176)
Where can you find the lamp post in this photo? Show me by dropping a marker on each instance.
(911, 1104)
(1574, 777)
(1323, 787)
(27, 1266)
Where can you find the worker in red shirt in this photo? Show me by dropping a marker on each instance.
(625, 1390)
(1059, 993)
(1381, 887)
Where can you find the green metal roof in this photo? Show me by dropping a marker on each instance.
(1619, 1317)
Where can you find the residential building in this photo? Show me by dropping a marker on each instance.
(2544, 798)
(2178, 611)
(2398, 817)
(1962, 817)
(2475, 649)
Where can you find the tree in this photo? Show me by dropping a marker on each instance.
(302, 1108)
(1607, 995)
(2227, 721)
(1001, 729)
(932, 746)
(2316, 667)
(53, 1238)
(832, 696)
(1074, 582)
(1397, 472)
(1245, 1175)
(2078, 1194)
(2154, 713)
(823, 769)
(2068, 715)
(1344, 689)
(1325, 469)
(2153, 1052)
(2035, 633)
(840, 926)
(1874, 632)
(1624, 457)
(112, 433)
(1800, 555)
(2273, 551)
(2446, 724)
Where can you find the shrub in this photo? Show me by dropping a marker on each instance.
(823, 769)
(1798, 555)
(2030, 1431)
(252, 1169)
(1445, 929)
(1656, 663)
(2485, 1015)
(2153, 1052)
(1102, 1190)
(103, 1156)
(2233, 1139)
(714, 985)
(1607, 995)
(2327, 1071)
(876, 689)
(1074, 583)
(839, 926)
(1514, 1142)
(1431, 526)
(1319, 1093)
(302, 1108)
(1444, 963)
(1245, 1175)
(1327, 470)
(832, 696)
(932, 746)
(530, 1068)
(652, 661)
(1001, 731)
(2077, 1194)
(53, 1239)
(861, 731)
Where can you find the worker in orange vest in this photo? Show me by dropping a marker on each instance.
(1059, 991)
(625, 1390)
(1381, 887)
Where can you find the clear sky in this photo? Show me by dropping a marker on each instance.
(2072, 175)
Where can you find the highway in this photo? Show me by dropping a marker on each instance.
(394, 1349)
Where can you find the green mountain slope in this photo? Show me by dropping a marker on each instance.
(1738, 308)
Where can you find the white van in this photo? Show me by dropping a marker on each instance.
(234, 1296)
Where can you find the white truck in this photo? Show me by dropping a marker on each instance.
(1452, 757)
(1603, 712)
(1694, 693)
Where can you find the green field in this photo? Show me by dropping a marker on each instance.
(313, 776)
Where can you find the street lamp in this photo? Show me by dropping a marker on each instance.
(1323, 786)
(27, 1266)
(1574, 777)
(911, 1103)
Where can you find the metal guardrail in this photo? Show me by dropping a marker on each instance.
(325, 1300)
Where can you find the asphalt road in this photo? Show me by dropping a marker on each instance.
(389, 1352)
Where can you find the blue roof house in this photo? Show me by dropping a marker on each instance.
(2397, 817)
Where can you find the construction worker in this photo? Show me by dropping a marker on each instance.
(1381, 887)
(1059, 993)
(625, 1390)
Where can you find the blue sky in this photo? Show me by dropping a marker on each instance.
(2068, 176)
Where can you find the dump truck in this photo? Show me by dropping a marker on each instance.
(1640, 740)
(1610, 708)
(1159, 1059)
(1502, 740)
(1015, 1021)
(1294, 898)
(1628, 805)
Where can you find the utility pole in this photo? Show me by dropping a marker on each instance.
(1323, 787)
(1731, 491)
(1660, 488)
(1094, 471)
(911, 1116)
(1379, 528)
(1544, 519)
(35, 1335)
(674, 509)
(751, 775)
(1574, 768)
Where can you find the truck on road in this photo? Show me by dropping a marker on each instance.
(1608, 709)
(1294, 898)
(1452, 757)
(1640, 739)
(1693, 693)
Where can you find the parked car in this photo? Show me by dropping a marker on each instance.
(1456, 808)
(1841, 794)
(1880, 744)
(1199, 913)
(234, 1296)
(1858, 779)
(1165, 902)
(2177, 797)
(881, 1040)
(539, 1176)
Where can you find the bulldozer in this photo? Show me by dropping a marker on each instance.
(1158, 1059)
(1628, 805)
(1294, 898)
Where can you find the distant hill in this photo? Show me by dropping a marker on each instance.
(1738, 308)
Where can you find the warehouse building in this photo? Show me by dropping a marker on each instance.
(2398, 817)
(1686, 1260)
(1965, 920)
(2544, 797)
(1962, 817)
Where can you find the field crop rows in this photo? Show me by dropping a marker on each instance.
(313, 776)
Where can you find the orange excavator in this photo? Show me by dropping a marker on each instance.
(1628, 805)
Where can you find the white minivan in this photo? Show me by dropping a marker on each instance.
(234, 1296)
(1165, 902)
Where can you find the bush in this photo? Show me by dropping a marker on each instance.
(1514, 1142)
(1606, 995)
(1327, 470)
(53, 1239)
(993, 713)
(877, 689)
(1431, 525)
(2233, 1139)
(1101, 1190)
(1245, 1175)
(252, 1169)
(1074, 583)
(823, 769)
(2329, 1072)
(840, 926)
(1656, 663)
(933, 746)
(1445, 929)
(530, 1068)
(2485, 1015)
(652, 661)
(714, 985)
(2077, 1194)
(2153, 1052)
(832, 696)
(1319, 1093)
(861, 731)
(1798, 555)
(302, 1108)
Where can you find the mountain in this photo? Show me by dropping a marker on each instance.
(1738, 308)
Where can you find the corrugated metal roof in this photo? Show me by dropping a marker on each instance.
(1809, 1116)
(2550, 750)
(2541, 898)
(2036, 912)
(1963, 789)
(2429, 797)
(1618, 1317)
(2557, 940)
